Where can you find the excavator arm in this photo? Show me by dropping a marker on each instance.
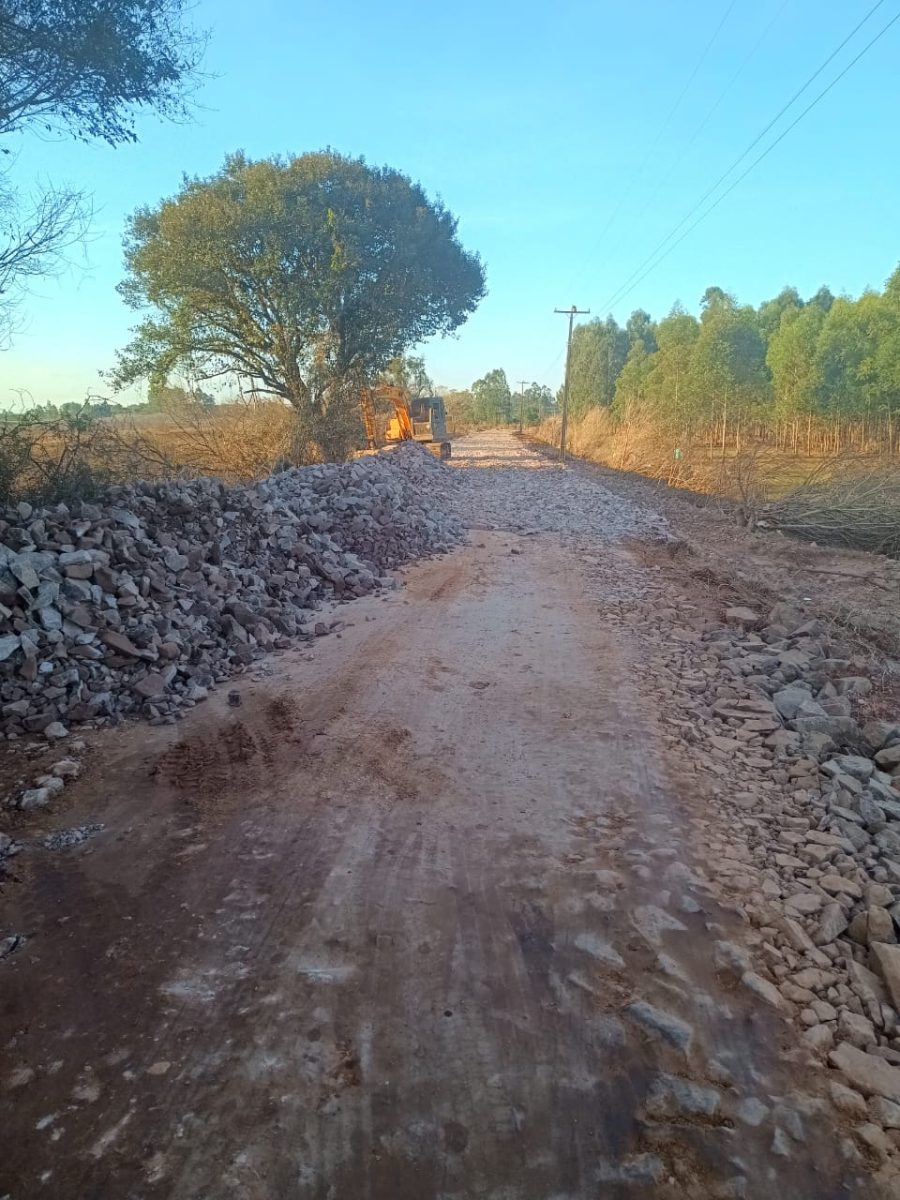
(400, 428)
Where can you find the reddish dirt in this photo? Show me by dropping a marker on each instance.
(373, 933)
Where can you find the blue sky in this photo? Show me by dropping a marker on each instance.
(536, 124)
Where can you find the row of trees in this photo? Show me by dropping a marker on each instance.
(821, 372)
(491, 401)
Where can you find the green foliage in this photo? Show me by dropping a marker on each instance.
(792, 360)
(460, 408)
(599, 350)
(78, 67)
(823, 359)
(408, 371)
(671, 384)
(631, 386)
(492, 402)
(305, 276)
(161, 397)
(535, 403)
(85, 66)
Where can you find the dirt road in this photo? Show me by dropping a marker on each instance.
(419, 920)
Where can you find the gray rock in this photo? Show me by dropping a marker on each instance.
(673, 1097)
(832, 923)
(869, 811)
(655, 1021)
(876, 734)
(174, 561)
(867, 1073)
(885, 1113)
(9, 644)
(789, 700)
(886, 959)
(889, 758)
(38, 797)
(11, 943)
(65, 839)
(765, 990)
(839, 729)
(641, 1168)
(853, 765)
(751, 1111)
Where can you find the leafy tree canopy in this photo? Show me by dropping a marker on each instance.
(409, 372)
(86, 66)
(492, 399)
(303, 275)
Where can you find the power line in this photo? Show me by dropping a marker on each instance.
(711, 110)
(665, 125)
(758, 160)
(687, 216)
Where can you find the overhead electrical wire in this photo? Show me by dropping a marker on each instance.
(712, 109)
(616, 296)
(665, 125)
(622, 294)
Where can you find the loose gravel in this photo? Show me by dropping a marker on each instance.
(505, 484)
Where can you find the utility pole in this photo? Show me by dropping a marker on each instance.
(572, 313)
(522, 383)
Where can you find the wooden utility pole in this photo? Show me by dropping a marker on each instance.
(572, 313)
(522, 383)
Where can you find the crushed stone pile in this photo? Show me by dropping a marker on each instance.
(771, 714)
(138, 603)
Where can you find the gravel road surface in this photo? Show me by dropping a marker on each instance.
(422, 916)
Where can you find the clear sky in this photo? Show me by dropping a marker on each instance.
(564, 136)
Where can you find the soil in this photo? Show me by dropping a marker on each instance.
(389, 927)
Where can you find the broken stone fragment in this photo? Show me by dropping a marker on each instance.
(34, 798)
(889, 758)
(66, 768)
(867, 1073)
(9, 644)
(887, 962)
(742, 617)
(880, 925)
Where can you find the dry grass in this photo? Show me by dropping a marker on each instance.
(846, 500)
(47, 461)
(237, 442)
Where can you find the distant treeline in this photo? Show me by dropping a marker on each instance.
(820, 374)
(160, 399)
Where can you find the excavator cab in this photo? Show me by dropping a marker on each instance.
(427, 424)
(421, 419)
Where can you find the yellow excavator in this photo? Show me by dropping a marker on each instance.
(420, 419)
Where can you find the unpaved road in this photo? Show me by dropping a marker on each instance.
(417, 921)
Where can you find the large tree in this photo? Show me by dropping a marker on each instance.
(82, 68)
(85, 66)
(792, 361)
(305, 276)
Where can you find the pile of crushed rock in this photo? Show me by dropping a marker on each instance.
(137, 604)
(770, 714)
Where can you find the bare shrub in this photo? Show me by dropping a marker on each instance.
(239, 442)
(843, 505)
(52, 460)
